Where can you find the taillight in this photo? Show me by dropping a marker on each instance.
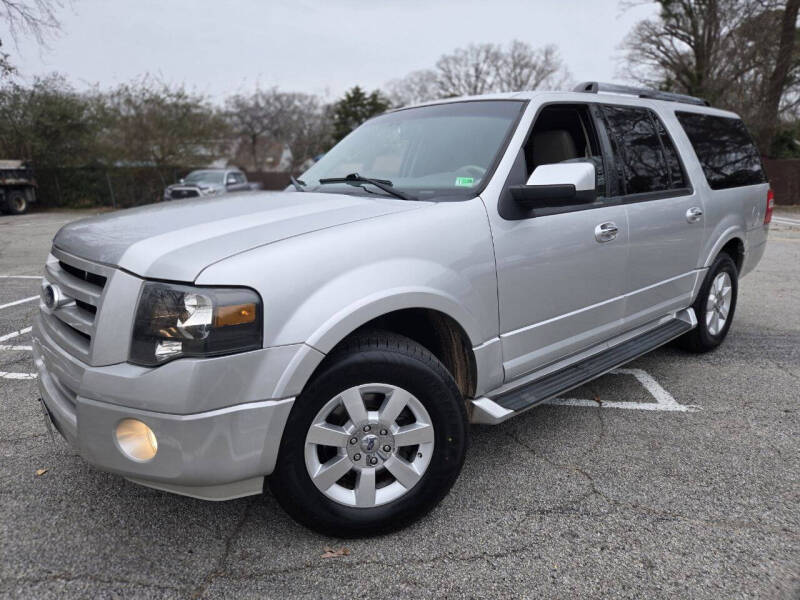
(770, 206)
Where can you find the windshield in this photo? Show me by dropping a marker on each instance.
(205, 177)
(444, 150)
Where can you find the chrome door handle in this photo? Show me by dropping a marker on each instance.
(605, 232)
(694, 214)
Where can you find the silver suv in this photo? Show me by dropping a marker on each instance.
(452, 263)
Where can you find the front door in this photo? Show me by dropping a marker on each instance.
(561, 279)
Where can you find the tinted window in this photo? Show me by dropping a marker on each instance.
(725, 150)
(676, 175)
(638, 149)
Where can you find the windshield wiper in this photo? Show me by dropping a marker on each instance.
(358, 180)
(298, 185)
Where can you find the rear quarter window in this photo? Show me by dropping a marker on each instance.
(726, 151)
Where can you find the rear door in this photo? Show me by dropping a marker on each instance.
(665, 214)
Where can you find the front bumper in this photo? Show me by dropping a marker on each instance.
(216, 454)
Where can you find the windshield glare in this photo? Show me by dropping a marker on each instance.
(204, 177)
(430, 151)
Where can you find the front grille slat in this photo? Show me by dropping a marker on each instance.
(77, 318)
(72, 286)
(72, 325)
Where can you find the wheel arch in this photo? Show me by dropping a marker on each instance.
(435, 329)
(731, 241)
(428, 323)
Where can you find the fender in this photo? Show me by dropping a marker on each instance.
(353, 316)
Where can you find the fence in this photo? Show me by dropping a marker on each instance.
(784, 178)
(120, 187)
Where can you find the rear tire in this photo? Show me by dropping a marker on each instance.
(395, 466)
(16, 203)
(714, 306)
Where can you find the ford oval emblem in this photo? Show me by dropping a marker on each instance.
(52, 296)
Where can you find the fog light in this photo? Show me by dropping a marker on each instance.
(136, 440)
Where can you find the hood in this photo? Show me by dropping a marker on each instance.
(177, 240)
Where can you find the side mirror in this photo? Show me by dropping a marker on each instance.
(557, 186)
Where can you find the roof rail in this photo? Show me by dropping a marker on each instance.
(593, 87)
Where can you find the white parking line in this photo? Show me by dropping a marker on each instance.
(23, 301)
(663, 399)
(785, 221)
(20, 276)
(13, 334)
(4, 375)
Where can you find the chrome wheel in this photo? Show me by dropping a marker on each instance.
(718, 303)
(369, 445)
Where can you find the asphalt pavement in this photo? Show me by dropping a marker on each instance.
(676, 477)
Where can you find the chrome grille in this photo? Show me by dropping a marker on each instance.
(81, 284)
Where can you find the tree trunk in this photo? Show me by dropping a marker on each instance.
(777, 80)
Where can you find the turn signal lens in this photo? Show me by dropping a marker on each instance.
(136, 440)
(234, 315)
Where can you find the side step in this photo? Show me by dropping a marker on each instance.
(499, 408)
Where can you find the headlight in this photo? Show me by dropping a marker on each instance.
(173, 321)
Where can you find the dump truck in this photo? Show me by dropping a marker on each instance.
(17, 187)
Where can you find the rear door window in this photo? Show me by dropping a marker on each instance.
(645, 156)
(726, 151)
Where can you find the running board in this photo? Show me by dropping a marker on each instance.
(497, 409)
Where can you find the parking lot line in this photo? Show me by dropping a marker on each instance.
(664, 401)
(785, 221)
(16, 348)
(20, 276)
(4, 375)
(13, 334)
(23, 301)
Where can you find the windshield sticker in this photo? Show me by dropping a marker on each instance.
(465, 181)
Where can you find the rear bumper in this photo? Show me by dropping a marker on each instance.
(215, 454)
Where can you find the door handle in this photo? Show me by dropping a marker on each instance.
(605, 232)
(694, 214)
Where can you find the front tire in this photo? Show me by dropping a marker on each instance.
(375, 440)
(714, 306)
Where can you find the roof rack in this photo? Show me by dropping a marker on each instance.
(593, 87)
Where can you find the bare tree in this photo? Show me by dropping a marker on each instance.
(305, 128)
(780, 77)
(149, 121)
(256, 117)
(469, 71)
(31, 17)
(526, 68)
(36, 18)
(414, 88)
(693, 46)
(481, 69)
(717, 49)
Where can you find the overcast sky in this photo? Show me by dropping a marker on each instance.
(318, 46)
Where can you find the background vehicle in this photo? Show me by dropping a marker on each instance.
(209, 182)
(461, 261)
(17, 187)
